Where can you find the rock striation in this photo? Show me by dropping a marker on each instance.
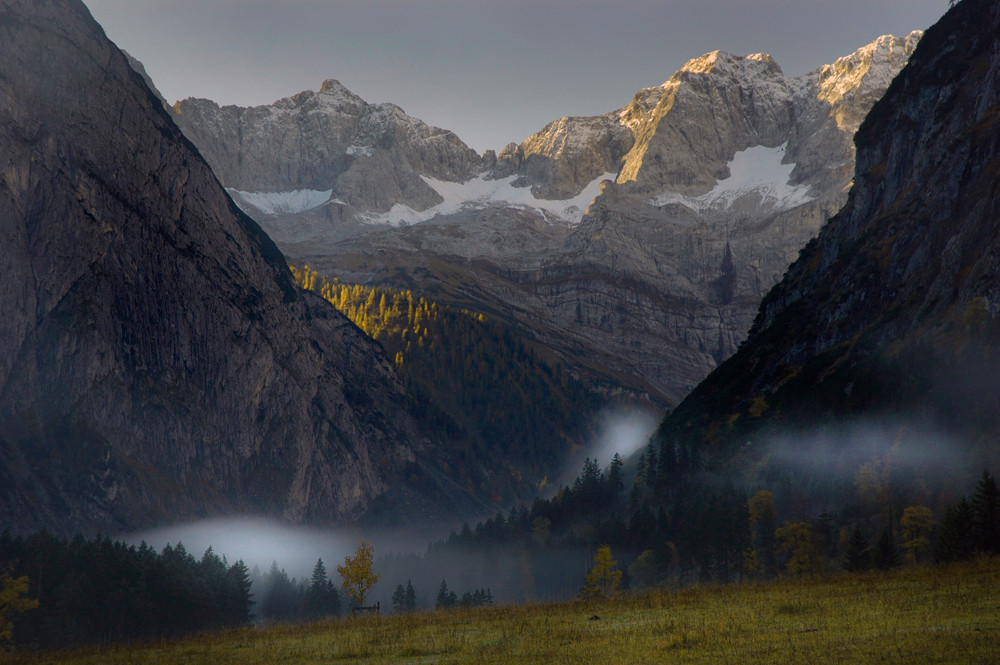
(636, 244)
(156, 361)
(892, 310)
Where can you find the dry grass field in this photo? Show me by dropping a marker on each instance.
(915, 615)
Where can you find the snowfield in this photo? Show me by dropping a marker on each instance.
(480, 193)
(755, 172)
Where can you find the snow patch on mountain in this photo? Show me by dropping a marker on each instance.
(757, 175)
(280, 203)
(360, 151)
(479, 193)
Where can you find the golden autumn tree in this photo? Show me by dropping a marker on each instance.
(358, 574)
(604, 578)
(13, 601)
(799, 543)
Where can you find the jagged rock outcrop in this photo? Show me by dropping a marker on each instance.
(157, 362)
(569, 153)
(365, 157)
(712, 182)
(892, 309)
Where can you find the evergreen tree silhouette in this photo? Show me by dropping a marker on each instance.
(858, 556)
(886, 555)
(986, 515)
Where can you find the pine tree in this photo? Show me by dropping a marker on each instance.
(885, 556)
(445, 599)
(955, 541)
(399, 599)
(240, 603)
(410, 599)
(321, 597)
(281, 599)
(615, 483)
(986, 515)
(858, 556)
(667, 467)
(589, 486)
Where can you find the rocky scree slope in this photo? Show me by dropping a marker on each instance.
(636, 244)
(156, 361)
(893, 308)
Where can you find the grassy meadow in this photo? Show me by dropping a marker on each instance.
(916, 615)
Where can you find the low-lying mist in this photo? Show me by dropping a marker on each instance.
(896, 456)
(838, 451)
(622, 430)
(810, 471)
(408, 553)
(257, 541)
(401, 556)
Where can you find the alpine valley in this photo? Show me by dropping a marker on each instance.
(160, 363)
(801, 272)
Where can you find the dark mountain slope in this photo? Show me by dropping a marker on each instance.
(156, 360)
(893, 308)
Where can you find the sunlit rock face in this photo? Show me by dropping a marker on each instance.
(636, 244)
(892, 310)
(156, 361)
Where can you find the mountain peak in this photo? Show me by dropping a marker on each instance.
(330, 85)
(727, 63)
(881, 60)
(335, 87)
(334, 91)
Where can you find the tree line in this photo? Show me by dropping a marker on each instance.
(57, 593)
(590, 539)
(101, 590)
(714, 531)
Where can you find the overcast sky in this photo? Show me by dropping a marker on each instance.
(492, 71)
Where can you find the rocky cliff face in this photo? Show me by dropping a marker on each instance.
(637, 244)
(156, 361)
(893, 308)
